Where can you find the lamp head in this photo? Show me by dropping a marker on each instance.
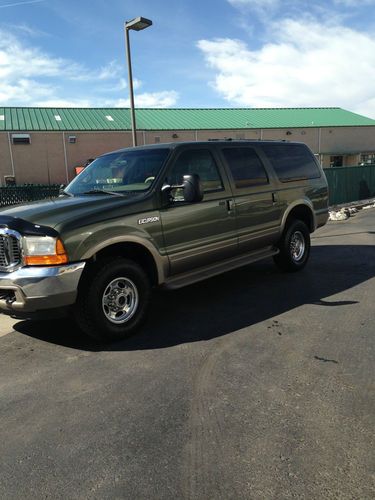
(138, 24)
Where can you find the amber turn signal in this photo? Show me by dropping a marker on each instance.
(60, 257)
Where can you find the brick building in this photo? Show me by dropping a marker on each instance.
(44, 145)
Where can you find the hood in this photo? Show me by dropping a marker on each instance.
(68, 212)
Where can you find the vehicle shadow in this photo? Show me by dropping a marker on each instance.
(229, 302)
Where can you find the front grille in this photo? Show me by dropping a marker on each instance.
(10, 251)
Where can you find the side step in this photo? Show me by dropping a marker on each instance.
(202, 273)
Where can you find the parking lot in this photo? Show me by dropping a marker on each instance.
(254, 384)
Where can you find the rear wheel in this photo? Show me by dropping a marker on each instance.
(113, 299)
(294, 247)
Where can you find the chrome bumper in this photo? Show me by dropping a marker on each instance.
(32, 289)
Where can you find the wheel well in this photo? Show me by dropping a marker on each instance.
(303, 213)
(133, 251)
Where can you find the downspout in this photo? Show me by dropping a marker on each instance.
(66, 160)
(319, 145)
(11, 155)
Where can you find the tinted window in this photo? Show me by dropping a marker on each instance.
(197, 161)
(291, 161)
(246, 168)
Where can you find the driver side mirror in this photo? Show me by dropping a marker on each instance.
(191, 189)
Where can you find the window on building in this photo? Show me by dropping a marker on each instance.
(336, 161)
(246, 167)
(9, 180)
(200, 162)
(72, 139)
(21, 138)
(367, 159)
(157, 140)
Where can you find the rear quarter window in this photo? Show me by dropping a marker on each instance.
(291, 161)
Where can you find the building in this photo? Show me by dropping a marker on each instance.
(45, 145)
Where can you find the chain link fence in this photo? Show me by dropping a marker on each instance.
(15, 195)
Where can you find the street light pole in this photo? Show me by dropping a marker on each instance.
(131, 91)
(137, 24)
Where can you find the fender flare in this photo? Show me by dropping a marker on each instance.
(161, 262)
(304, 202)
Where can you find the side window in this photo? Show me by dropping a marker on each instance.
(246, 168)
(291, 161)
(197, 161)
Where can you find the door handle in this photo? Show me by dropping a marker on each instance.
(274, 198)
(230, 205)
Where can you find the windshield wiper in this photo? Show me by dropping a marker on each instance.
(101, 191)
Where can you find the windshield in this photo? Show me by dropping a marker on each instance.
(122, 172)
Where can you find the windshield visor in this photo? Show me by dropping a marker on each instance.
(123, 172)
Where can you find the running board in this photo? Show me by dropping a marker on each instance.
(205, 272)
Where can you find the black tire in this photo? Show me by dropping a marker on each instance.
(294, 246)
(113, 299)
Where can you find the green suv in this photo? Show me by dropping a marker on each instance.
(162, 215)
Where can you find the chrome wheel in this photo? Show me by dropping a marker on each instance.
(297, 246)
(120, 300)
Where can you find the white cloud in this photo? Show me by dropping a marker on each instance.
(328, 11)
(296, 69)
(20, 61)
(110, 71)
(264, 9)
(24, 29)
(31, 77)
(64, 103)
(24, 90)
(164, 99)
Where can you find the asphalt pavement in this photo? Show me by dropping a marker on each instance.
(252, 385)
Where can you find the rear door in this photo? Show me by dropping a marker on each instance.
(258, 209)
(197, 234)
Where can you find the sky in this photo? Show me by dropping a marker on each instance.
(197, 53)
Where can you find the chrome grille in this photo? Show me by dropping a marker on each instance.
(10, 250)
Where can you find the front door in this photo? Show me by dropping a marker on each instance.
(197, 234)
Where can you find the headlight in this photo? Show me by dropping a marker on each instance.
(43, 250)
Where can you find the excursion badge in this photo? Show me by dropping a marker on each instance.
(148, 220)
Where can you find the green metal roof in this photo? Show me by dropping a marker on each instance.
(91, 119)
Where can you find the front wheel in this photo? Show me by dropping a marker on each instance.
(113, 299)
(294, 247)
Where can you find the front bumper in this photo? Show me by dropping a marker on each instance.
(32, 289)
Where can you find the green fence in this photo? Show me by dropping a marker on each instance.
(347, 184)
(14, 195)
